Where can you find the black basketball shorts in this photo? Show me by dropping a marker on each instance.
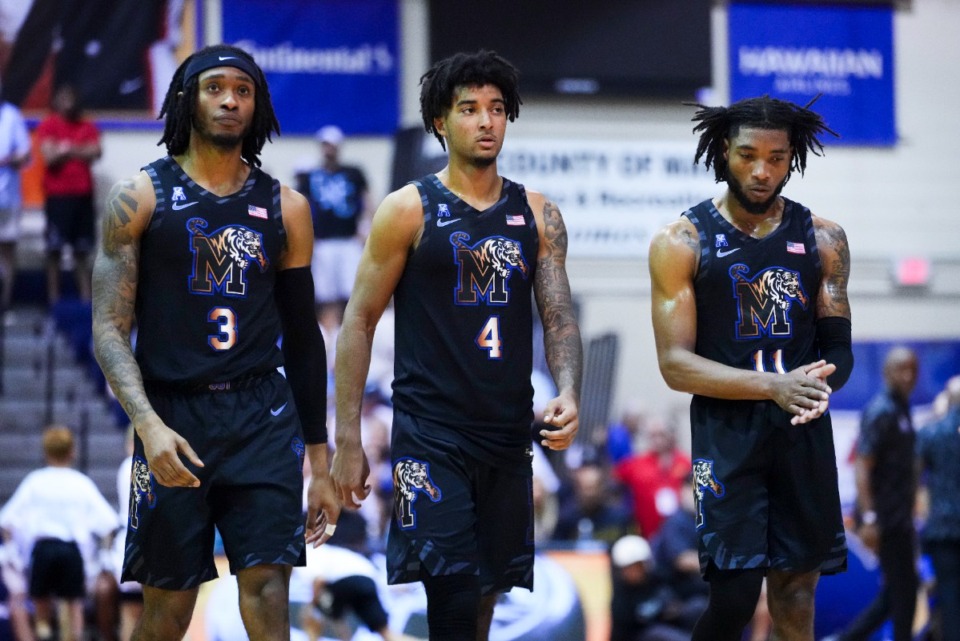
(455, 514)
(251, 487)
(766, 491)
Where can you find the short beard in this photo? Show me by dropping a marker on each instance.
(225, 142)
(750, 206)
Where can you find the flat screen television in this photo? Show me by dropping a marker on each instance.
(630, 48)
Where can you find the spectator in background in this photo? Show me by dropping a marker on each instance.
(938, 449)
(62, 514)
(13, 579)
(596, 510)
(643, 607)
(338, 202)
(626, 436)
(886, 488)
(14, 154)
(654, 478)
(676, 548)
(69, 144)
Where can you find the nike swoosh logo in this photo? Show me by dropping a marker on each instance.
(177, 206)
(721, 253)
(277, 411)
(444, 223)
(227, 57)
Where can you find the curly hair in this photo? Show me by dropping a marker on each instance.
(441, 82)
(719, 124)
(180, 107)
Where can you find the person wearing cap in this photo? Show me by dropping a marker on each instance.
(643, 607)
(338, 204)
(213, 255)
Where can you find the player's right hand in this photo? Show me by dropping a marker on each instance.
(804, 392)
(163, 447)
(350, 471)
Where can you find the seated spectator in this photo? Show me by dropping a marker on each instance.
(596, 510)
(654, 477)
(643, 607)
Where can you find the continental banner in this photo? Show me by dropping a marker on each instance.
(327, 61)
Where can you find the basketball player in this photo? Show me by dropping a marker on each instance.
(461, 251)
(750, 315)
(212, 255)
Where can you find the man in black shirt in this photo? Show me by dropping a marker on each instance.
(886, 486)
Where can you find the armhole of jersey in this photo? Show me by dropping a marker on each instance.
(160, 201)
(703, 259)
(810, 237)
(277, 212)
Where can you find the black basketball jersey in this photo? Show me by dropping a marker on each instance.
(757, 297)
(205, 304)
(464, 308)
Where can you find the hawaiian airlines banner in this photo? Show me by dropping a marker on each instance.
(327, 61)
(795, 52)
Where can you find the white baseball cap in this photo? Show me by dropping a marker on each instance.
(330, 134)
(630, 549)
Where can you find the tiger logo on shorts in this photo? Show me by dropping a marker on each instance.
(141, 489)
(411, 477)
(704, 479)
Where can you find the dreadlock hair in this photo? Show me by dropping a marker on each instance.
(180, 106)
(438, 85)
(719, 124)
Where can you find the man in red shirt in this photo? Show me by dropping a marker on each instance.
(655, 477)
(69, 145)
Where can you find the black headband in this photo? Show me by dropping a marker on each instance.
(213, 59)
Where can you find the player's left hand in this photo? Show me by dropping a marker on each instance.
(562, 414)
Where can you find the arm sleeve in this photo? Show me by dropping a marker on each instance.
(304, 352)
(833, 336)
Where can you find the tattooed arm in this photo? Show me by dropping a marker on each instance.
(674, 253)
(115, 270)
(835, 257)
(561, 334)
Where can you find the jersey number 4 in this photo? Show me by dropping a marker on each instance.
(489, 338)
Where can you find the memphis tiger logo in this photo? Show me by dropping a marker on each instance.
(704, 480)
(141, 490)
(764, 301)
(485, 268)
(411, 478)
(221, 259)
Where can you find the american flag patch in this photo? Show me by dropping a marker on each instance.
(258, 212)
(516, 219)
(796, 248)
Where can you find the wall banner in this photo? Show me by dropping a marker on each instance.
(327, 61)
(795, 52)
(614, 195)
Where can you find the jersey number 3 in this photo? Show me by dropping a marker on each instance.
(226, 336)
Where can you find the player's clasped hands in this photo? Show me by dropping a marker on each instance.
(804, 391)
